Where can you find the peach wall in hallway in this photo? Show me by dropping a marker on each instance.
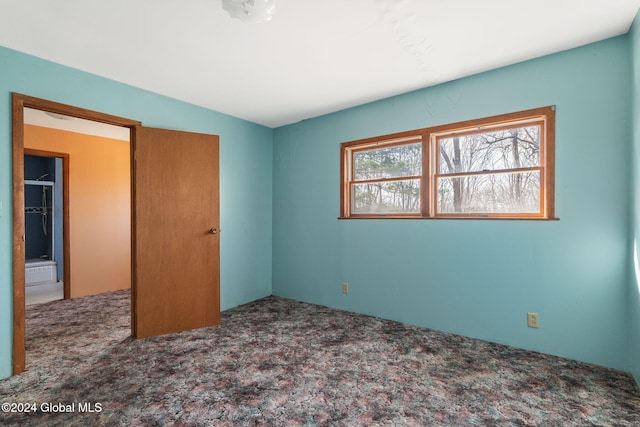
(99, 207)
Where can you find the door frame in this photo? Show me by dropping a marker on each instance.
(18, 103)
(66, 268)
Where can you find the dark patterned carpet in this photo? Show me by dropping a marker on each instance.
(278, 362)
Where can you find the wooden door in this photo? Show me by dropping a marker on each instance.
(176, 247)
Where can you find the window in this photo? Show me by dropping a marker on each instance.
(497, 167)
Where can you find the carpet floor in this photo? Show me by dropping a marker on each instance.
(278, 362)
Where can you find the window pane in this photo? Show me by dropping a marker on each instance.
(388, 162)
(491, 193)
(490, 151)
(387, 197)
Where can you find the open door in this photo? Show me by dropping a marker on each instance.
(175, 245)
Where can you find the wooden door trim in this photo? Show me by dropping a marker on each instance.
(18, 103)
(66, 252)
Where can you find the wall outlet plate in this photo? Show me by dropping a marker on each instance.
(345, 288)
(532, 320)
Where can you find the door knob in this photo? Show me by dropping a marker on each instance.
(213, 231)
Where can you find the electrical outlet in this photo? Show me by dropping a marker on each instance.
(532, 320)
(345, 288)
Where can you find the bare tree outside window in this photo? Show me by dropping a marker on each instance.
(490, 172)
(388, 179)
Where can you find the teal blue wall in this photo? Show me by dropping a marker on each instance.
(477, 278)
(634, 288)
(245, 171)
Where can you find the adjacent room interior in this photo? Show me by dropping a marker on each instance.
(340, 274)
(99, 196)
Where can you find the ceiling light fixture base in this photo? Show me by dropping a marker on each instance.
(250, 10)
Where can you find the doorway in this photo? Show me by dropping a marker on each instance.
(175, 246)
(19, 103)
(46, 226)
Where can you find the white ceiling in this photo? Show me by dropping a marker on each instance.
(313, 58)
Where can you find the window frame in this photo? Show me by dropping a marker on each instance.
(429, 138)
